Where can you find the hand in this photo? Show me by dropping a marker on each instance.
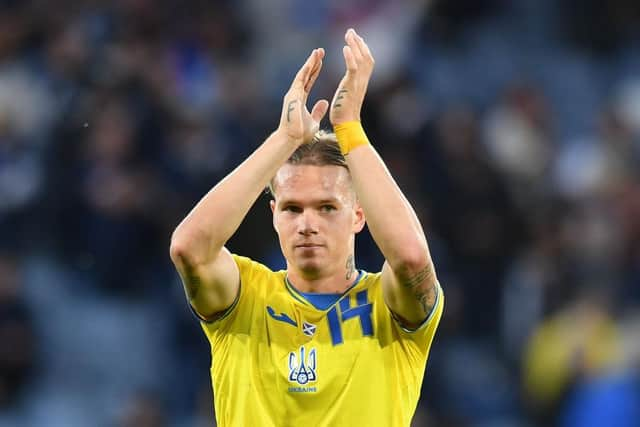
(347, 102)
(296, 122)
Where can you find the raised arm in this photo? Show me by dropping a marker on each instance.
(408, 275)
(208, 272)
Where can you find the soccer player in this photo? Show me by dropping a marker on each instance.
(320, 343)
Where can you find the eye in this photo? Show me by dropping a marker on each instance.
(327, 208)
(292, 208)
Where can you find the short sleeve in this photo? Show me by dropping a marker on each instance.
(423, 334)
(240, 311)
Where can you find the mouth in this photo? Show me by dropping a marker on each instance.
(308, 245)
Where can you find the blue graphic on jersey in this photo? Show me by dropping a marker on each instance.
(362, 311)
(302, 370)
(334, 326)
(282, 317)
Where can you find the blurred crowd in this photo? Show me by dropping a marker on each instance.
(513, 126)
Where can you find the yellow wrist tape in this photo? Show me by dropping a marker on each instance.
(350, 135)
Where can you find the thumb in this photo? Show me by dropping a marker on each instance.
(319, 110)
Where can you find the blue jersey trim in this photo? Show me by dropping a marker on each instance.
(302, 297)
(294, 292)
(321, 301)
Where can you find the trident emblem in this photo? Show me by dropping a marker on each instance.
(303, 369)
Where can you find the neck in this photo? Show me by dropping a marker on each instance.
(336, 282)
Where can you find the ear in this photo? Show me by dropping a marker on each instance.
(272, 205)
(358, 218)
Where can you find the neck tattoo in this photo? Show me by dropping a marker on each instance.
(350, 267)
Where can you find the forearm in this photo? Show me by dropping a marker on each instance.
(219, 213)
(391, 219)
(409, 285)
(408, 276)
(209, 272)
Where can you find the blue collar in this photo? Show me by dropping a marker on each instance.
(321, 301)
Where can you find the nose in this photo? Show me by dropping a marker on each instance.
(307, 224)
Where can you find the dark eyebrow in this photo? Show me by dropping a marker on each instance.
(288, 202)
(330, 200)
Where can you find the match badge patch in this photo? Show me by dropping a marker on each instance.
(309, 329)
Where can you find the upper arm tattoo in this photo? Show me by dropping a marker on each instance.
(426, 297)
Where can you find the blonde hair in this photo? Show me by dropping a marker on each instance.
(322, 150)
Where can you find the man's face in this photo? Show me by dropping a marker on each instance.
(316, 215)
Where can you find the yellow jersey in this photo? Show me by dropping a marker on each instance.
(277, 360)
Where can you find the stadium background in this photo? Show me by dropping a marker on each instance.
(512, 125)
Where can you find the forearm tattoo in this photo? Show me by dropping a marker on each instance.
(339, 96)
(350, 266)
(290, 108)
(426, 297)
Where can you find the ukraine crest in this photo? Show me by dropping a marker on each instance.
(302, 366)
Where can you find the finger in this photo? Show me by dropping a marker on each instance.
(312, 78)
(317, 66)
(319, 55)
(314, 63)
(364, 49)
(319, 110)
(303, 74)
(352, 41)
(349, 59)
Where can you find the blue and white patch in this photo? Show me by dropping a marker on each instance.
(302, 370)
(309, 329)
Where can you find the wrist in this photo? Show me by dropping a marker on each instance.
(284, 137)
(350, 135)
